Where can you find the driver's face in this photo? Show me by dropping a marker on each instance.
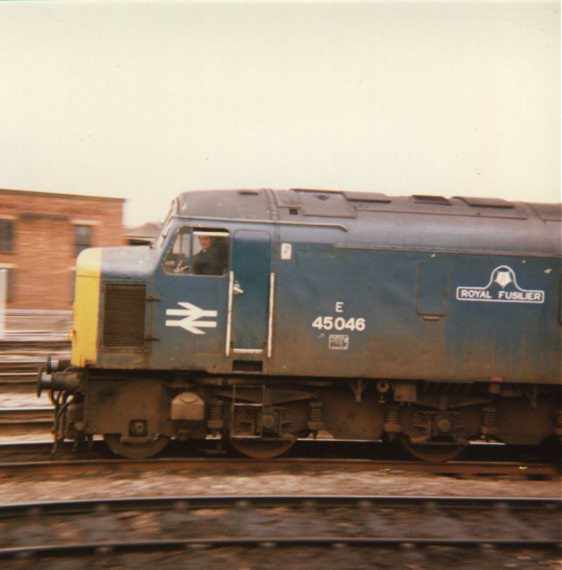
(205, 242)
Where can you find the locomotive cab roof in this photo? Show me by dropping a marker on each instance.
(460, 223)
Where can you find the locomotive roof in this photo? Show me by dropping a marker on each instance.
(487, 225)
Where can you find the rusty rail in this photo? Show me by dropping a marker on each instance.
(21, 416)
(370, 521)
(25, 421)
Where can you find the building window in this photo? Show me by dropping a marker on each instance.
(82, 238)
(6, 235)
(10, 283)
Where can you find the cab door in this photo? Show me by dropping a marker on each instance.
(250, 293)
(190, 315)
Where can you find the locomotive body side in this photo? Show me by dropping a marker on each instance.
(400, 315)
(363, 317)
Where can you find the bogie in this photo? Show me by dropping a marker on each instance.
(264, 420)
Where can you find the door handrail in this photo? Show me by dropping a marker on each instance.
(229, 312)
(270, 319)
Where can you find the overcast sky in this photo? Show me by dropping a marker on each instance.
(145, 101)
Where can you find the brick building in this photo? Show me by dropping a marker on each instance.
(41, 235)
(143, 235)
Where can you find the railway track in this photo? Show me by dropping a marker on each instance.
(375, 522)
(36, 457)
(20, 371)
(29, 421)
(19, 379)
(26, 416)
(18, 364)
(26, 344)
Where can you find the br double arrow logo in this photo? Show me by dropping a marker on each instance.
(191, 320)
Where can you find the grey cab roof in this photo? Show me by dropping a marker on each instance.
(376, 220)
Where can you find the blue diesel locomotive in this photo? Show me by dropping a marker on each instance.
(264, 316)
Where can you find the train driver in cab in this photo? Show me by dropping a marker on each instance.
(212, 258)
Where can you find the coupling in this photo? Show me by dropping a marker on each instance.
(67, 380)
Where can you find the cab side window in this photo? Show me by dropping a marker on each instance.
(198, 252)
(177, 258)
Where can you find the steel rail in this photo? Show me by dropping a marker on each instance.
(259, 501)
(431, 506)
(35, 415)
(459, 468)
(19, 363)
(25, 421)
(34, 342)
(19, 374)
(6, 376)
(82, 549)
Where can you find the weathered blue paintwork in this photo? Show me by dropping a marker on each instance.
(396, 263)
(251, 266)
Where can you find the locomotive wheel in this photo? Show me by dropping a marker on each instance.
(262, 449)
(134, 450)
(436, 453)
(550, 449)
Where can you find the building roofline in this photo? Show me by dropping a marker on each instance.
(60, 195)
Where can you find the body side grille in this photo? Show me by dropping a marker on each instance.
(123, 318)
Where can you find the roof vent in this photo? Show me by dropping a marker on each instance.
(375, 197)
(331, 191)
(429, 199)
(248, 193)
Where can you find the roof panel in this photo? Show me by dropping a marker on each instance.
(485, 202)
(287, 199)
(548, 212)
(251, 205)
(326, 204)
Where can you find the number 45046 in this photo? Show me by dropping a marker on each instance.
(339, 324)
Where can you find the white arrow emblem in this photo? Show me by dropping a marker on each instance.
(191, 315)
